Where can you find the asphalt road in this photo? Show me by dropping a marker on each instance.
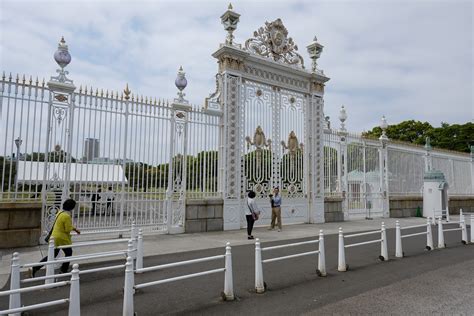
(422, 282)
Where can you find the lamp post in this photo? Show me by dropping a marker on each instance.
(230, 19)
(18, 143)
(314, 50)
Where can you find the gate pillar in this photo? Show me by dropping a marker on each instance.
(315, 152)
(232, 186)
(315, 127)
(57, 155)
(384, 169)
(176, 193)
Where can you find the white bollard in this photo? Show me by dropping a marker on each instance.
(75, 293)
(15, 299)
(134, 235)
(398, 240)
(140, 250)
(429, 235)
(259, 284)
(131, 252)
(322, 255)
(463, 232)
(50, 267)
(228, 279)
(341, 266)
(440, 233)
(128, 288)
(472, 228)
(447, 214)
(383, 246)
(461, 217)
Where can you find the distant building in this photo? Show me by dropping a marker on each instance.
(91, 149)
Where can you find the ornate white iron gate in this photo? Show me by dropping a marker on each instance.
(273, 151)
(272, 113)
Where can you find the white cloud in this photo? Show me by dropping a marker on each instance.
(403, 59)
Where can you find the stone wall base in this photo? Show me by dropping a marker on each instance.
(456, 203)
(333, 209)
(20, 224)
(204, 215)
(405, 206)
(15, 238)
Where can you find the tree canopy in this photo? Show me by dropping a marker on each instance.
(457, 137)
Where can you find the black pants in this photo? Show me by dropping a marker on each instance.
(64, 266)
(109, 206)
(250, 222)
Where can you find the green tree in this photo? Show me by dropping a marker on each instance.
(8, 171)
(457, 137)
(454, 137)
(409, 131)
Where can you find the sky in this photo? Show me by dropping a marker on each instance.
(402, 59)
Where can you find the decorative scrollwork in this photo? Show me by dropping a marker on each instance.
(178, 212)
(50, 216)
(179, 128)
(259, 140)
(59, 114)
(292, 145)
(213, 102)
(55, 181)
(272, 41)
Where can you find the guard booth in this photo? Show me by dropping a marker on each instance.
(435, 195)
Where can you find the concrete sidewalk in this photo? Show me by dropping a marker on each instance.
(164, 244)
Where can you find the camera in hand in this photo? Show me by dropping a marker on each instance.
(270, 195)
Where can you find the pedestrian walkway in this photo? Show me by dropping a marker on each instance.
(165, 244)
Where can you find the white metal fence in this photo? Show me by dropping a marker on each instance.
(126, 158)
(342, 266)
(111, 153)
(365, 172)
(260, 285)
(15, 306)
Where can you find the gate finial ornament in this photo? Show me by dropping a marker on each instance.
(62, 58)
(230, 19)
(259, 140)
(181, 83)
(314, 50)
(272, 41)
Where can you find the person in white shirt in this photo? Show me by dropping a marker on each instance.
(251, 213)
